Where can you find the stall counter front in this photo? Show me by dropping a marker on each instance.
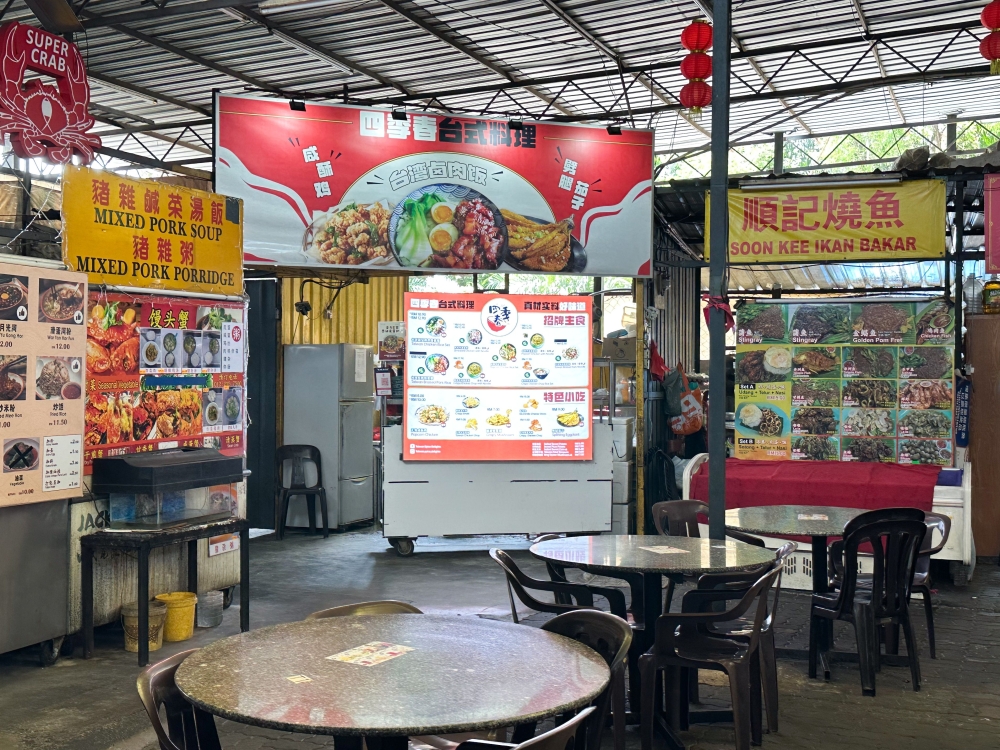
(952, 501)
(487, 497)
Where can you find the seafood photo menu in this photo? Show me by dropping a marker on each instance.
(497, 378)
(161, 373)
(869, 381)
(42, 381)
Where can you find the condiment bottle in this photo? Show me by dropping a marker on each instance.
(991, 296)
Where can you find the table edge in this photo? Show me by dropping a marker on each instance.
(610, 571)
(437, 729)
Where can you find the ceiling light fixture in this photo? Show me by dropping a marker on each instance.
(296, 106)
(614, 129)
(515, 125)
(398, 114)
(839, 181)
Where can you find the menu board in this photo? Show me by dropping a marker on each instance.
(868, 381)
(42, 381)
(163, 372)
(497, 378)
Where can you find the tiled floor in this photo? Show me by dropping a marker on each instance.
(92, 705)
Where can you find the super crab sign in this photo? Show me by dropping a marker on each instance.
(45, 120)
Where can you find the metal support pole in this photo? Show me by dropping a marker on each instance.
(958, 248)
(951, 135)
(719, 238)
(779, 152)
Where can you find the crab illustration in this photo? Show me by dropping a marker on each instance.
(42, 119)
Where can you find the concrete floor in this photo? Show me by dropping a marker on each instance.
(93, 705)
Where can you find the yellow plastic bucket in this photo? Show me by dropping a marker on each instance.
(180, 615)
(130, 620)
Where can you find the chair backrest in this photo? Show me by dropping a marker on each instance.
(678, 517)
(518, 582)
(758, 593)
(894, 548)
(387, 607)
(606, 634)
(563, 737)
(298, 456)
(935, 522)
(882, 514)
(188, 727)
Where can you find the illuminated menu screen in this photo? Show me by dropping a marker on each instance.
(497, 378)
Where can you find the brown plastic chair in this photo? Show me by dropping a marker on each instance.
(895, 545)
(563, 737)
(388, 607)
(610, 636)
(188, 727)
(686, 641)
(680, 518)
(734, 585)
(299, 455)
(922, 581)
(519, 583)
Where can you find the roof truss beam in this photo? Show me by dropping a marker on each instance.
(441, 35)
(190, 56)
(171, 10)
(778, 50)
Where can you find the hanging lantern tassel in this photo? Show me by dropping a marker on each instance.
(989, 47)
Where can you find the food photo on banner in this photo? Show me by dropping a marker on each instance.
(895, 221)
(364, 188)
(824, 380)
(497, 378)
(163, 372)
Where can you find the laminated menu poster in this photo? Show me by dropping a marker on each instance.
(163, 372)
(869, 381)
(42, 381)
(497, 378)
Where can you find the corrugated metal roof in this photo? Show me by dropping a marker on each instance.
(816, 65)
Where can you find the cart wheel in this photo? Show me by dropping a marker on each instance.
(48, 651)
(227, 597)
(403, 545)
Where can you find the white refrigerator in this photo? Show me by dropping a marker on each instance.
(329, 403)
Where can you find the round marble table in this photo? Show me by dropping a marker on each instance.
(818, 522)
(455, 674)
(653, 557)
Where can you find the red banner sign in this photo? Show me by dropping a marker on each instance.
(991, 186)
(491, 378)
(163, 372)
(350, 187)
(45, 120)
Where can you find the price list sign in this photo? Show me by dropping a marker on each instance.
(43, 345)
(497, 378)
(860, 381)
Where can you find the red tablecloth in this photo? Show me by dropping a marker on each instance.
(830, 483)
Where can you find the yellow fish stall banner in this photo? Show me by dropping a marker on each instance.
(898, 221)
(146, 234)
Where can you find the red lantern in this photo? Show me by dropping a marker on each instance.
(989, 48)
(697, 37)
(991, 16)
(696, 66)
(696, 96)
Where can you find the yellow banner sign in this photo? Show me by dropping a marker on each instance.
(885, 222)
(141, 233)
